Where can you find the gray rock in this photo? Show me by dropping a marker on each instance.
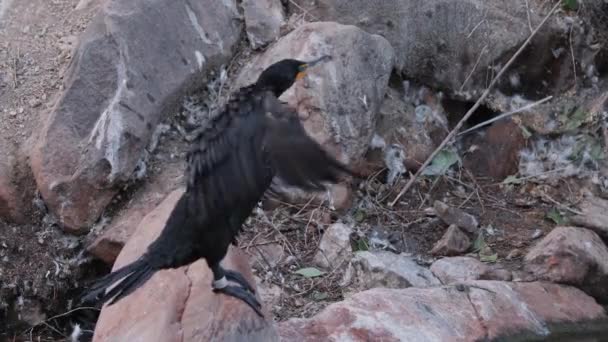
(130, 67)
(458, 269)
(334, 248)
(338, 100)
(390, 270)
(595, 217)
(263, 20)
(455, 216)
(572, 255)
(442, 42)
(453, 242)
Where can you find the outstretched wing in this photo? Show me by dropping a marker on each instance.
(293, 155)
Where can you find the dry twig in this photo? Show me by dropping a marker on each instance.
(475, 106)
(504, 115)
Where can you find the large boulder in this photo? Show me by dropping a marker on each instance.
(473, 311)
(572, 255)
(178, 304)
(117, 88)
(339, 99)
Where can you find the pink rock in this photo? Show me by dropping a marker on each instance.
(110, 242)
(178, 304)
(478, 310)
(572, 255)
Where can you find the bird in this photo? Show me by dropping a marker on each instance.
(231, 164)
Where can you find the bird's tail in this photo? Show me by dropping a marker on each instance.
(133, 276)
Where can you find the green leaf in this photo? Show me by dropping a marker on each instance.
(441, 163)
(359, 215)
(479, 243)
(318, 296)
(573, 120)
(570, 5)
(597, 151)
(488, 258)
(555, 216)
(361, 245)
(512, 179)
(525, 131)
(310, 272)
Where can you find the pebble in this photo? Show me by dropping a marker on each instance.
(537, 233)
(514, 254)
(20, 110)
(34, 102)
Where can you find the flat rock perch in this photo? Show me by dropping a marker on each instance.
(178, 304)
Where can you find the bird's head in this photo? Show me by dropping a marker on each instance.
(281, 75)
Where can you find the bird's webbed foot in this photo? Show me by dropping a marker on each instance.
(245, 292)
(242, 294)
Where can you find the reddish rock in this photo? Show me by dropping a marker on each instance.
(415, 130)
(572, 255)
(455, 216)
(478, 310)
(118, 86)
(110, 242)
(506, 308)
(497, 155)
(453, 242)
(178, 304)
(458, 269)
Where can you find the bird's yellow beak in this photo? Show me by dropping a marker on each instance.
(304, 67)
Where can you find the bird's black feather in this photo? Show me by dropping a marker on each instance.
(231, 164)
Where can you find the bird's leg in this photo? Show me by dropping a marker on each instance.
(220, 284)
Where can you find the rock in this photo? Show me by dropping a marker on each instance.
(263, 20)
(417, 131)
(451, 215)
(594, 216)
(514, 254)
(453, 242)
(496, 273)
(269, 292)
(458, 269)
(178, 304)
(390, 270)
(334, 247)
(107, 245)
(483, 310)
(454, 53)
(497, 155)
(16, 184)
(118, 86)
(571, 255)
(338, 100)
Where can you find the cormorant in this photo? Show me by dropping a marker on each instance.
(231, 164)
